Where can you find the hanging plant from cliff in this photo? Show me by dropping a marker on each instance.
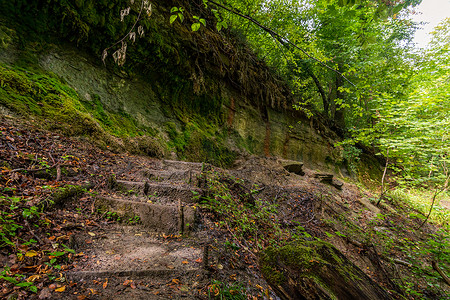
(137, 30)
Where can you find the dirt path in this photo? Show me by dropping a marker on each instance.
(115, 226)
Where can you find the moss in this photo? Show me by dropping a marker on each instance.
(301, 257)
(306, 259)
(7, 36)
(199, 141)
(58, 107)
(145, 145)
(68, 193)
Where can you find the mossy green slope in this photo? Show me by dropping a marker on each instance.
(316, 270)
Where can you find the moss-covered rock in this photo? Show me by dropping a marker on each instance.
(316, 270)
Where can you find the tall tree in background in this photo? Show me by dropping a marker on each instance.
(365, 40)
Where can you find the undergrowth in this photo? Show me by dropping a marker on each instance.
(420, 200)
(399, 239)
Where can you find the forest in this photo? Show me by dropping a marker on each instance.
(274, 147)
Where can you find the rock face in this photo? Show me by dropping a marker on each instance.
(248, 108)
(316, 270)
(281, 135)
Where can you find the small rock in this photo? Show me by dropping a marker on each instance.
(292, 166)
(381, 229)
(324, 177)
(337, 184)
(45, 293)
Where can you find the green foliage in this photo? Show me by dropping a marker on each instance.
(18, 280)
(420, 200)
(9, 220)
(221, 290)
(177, 13)
(351, 155)
(256, 223)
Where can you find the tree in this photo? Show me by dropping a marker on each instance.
(353, 39)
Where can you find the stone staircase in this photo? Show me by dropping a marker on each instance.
(160, 257)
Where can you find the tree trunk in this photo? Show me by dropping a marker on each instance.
(339, 114)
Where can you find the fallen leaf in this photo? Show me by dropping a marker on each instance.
(105, 284)
(126, 282)
(94, 292)
(199, 260)
(185, 262)
(219, 266)
(176, 281)
(133, 285)
(91, 233)
(184, 288)
(61, 289)
(32, 278)
(31, 253)
(63, 237)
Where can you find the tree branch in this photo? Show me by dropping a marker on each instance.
(437, 269)
(283, 40)
(382, 179)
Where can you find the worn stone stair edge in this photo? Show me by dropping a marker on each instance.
(180, 175)
(183, 163)
(137, 201)
(164, 218)
(164, 185)
(77, 275)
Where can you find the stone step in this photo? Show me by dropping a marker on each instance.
(180, 176)
(132, 250)
(152, 284)
(181, 192)
(183, 165)
(154, 273)
(112, 257)
(168, 218)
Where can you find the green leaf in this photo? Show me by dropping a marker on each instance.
(33, 288)
(195, 26)
(180, 15)
(397, 9)
(24, 284)
(174, 9)
(10, 279)
(219, 26)
(203, 21)
(173, 18)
